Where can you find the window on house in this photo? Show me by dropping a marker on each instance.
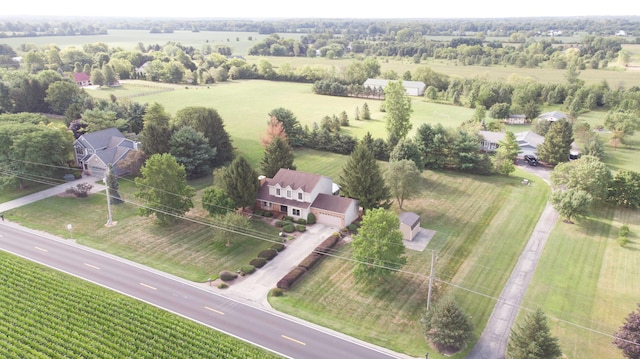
(300, 196)
(288, 194)
(295, 212)
(277, 191)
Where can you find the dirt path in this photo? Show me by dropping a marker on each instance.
(494, 338)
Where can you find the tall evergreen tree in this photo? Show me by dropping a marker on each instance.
(156, 131)
(557, 143)
(506, 154)
(362, 179)
(241, 183)
(163, 186)
(447, 327)
(277, 155)
(209, 122)
(533, 340)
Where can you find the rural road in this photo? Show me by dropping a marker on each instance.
(279, 333)
(493, 341)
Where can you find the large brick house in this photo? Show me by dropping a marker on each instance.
(296, 194)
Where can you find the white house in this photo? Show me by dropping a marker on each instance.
(412, 88)
(527, 140)
(296, 194)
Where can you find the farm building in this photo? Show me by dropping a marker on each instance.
(412, 88)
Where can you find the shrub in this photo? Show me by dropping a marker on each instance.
(258, 262)
(227, 276)
(280, 223)
(288, 219)
(311, 218)
(247, 269)
(624, 231)
(290, 278)
(302, 221)
(267, 214)
(278, 247)
(623, 241)
(301, 228)
(268, 254)
(328, 243)
(310, 261)
(353, 227)
(223, 285)
(276, 292)
(288, 228)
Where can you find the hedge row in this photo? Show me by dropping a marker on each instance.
(309, 262)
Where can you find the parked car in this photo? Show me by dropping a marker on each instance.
(531, 160)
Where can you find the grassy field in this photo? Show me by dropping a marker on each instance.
(587, 284)
(477, 242)
(192, 250)
(61, 316)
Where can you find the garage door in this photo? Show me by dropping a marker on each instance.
(329, 219)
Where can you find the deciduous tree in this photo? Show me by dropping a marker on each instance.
(532, 339)
(191, 149)
(571, 203)
(624, 189)
(216, 201)
(628, 336)
(403, 178)
(506, 154)
(398, 111)
(275, 129)
(587, 173)
(378, 247)
(163, 187)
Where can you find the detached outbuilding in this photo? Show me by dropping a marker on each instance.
(409, 225)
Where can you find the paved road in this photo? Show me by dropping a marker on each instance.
(493, 341)
(262, 327)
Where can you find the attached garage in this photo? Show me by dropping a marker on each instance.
(328, 218)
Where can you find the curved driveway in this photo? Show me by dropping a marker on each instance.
(494, 338)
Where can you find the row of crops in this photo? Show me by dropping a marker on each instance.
(47, 314)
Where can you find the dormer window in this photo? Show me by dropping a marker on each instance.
(300, 196)
(288, 194)
(278, 192)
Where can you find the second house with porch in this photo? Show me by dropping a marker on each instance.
(296, 194)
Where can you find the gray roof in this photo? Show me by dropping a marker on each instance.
(409, 218)
(332, 203)
(102, 139)
(405, 84)
(553, 116)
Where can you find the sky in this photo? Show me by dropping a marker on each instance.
(322, 9)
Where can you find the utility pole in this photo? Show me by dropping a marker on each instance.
(433, 261)
(109, 219)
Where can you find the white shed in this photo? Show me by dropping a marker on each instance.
(409, 225)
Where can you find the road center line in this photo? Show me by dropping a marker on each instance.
(293, 340)
(215, 311)
(41, 249)
(92, 266)
(148, 286)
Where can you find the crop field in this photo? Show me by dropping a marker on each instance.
(48, 314)
(477, 243)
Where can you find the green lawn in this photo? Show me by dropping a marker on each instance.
(481, 227)
(586, 280)
(192, 250)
